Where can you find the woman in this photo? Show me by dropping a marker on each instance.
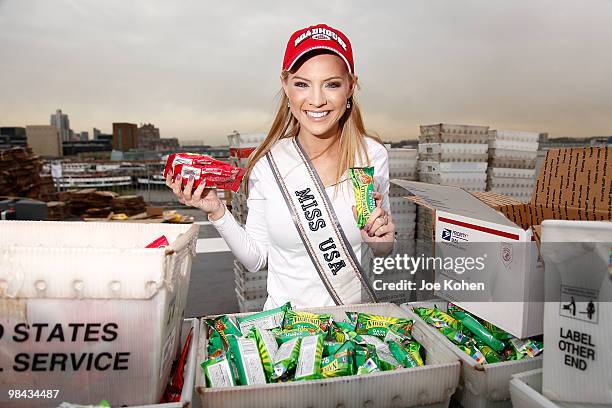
(302, 216)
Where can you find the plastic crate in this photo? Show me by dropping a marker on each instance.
(481, 385)
(526, 392)
(449, 133)
(431, 385)
(454, 178)
(402, 153)
(250, 305)
(513, 145)
(100, 275)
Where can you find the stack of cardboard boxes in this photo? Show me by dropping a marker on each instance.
(454, 155)
(512, 163)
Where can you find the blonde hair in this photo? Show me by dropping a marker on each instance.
(352, 135)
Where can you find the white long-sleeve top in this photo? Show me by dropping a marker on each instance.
(271, 238)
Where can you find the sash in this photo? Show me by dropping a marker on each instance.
(313, 215)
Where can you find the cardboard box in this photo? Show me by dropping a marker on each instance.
(573, 185)
(578, 311)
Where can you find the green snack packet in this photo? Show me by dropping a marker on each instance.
(286, 335)
(268, 319)
(342, 331)
(218, 372)
(248, 362)
(361, 355)
(403, 356)
(340, 363)
(454, 336)
(352, 317)
(479, 331)
(225, 326)
(489, 354)
(386, 360)
(267, 346)
(527, 347)
(376, 325)
(473, 352)
(397, 333)
(498, 333)
(331, 347)
(363, 186)
(307, 320)
(369, 366)
(422, 312)
(286, 358)
(309, 359)
(214, 342)
(437, 318)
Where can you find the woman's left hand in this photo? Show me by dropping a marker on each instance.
(379, 229)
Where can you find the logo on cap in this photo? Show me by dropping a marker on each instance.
(320, 34)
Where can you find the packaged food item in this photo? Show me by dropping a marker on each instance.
(527, 347)
(363, 186)
(160, 242)
(267, 346)
(246, 357)
(309, 359)
(408, 356)
(454, 336)
(286, 335)
(386, 360)
(307, 320)
(479, 331)
(340, 363)
(397, 333)
(352, 318)
(268, 319)
(498, 333)
(489, 354)
(205, 169)
(218, 372)
(286, 358)
(471, 350)
(438, 318)
(215, 343)
(376, 325)
(369, 366)
(330, 347)
(225, 326)
(342, 331)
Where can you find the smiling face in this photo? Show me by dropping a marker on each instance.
(318, 91)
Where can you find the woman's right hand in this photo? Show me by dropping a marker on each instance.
(205, 199)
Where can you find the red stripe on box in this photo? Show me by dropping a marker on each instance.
(480, 228)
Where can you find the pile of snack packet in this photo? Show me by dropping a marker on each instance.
(478, 338)
(281, 345)
(204, 169)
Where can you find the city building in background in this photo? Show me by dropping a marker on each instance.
(62, 123)
(45, 140)
(84, 136)
(96, 132)
(125, 136)
(149, 139)
(12, 137)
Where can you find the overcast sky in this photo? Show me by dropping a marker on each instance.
(200, 69)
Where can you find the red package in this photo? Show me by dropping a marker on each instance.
(241, 152)
(160, 242)
(215, 173)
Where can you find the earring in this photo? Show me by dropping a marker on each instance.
(288, 104)
(348, 104)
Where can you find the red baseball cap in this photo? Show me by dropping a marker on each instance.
(318, 37)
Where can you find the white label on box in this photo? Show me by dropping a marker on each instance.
(306, 360)
(219, 374)
(252, 362)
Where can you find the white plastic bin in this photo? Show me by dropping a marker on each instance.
(481, 385)
(91, 290)
(431, 385)
(526, 392)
